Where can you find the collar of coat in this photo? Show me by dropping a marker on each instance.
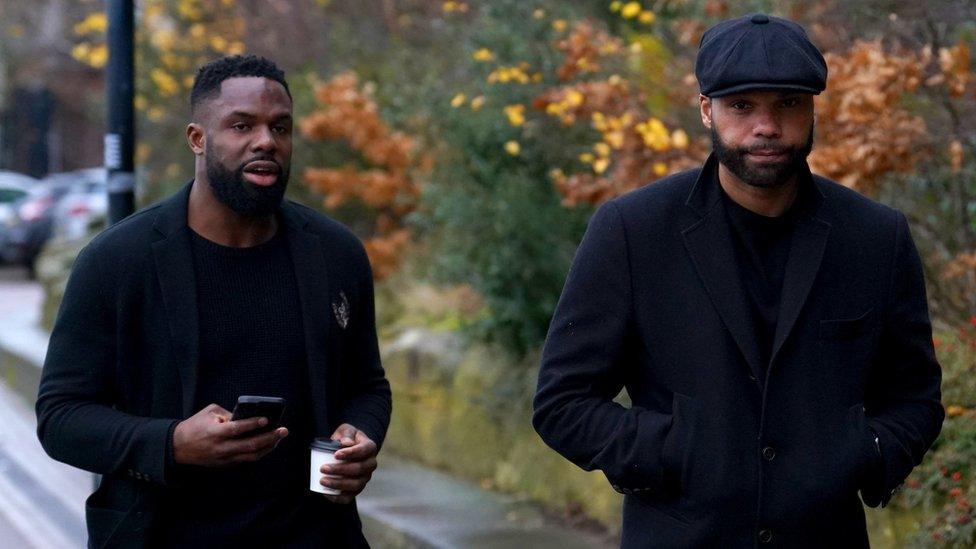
(173, 213)
(706, 192)
(174, 265)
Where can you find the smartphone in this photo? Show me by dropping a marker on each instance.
(259, 406)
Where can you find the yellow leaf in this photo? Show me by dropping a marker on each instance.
(539, 13)
(679, 139)
(630, 10)
(515, 114)
(600, 165)
(646, 17)
(660, 168)
(164, 81)
(98, 56)
(218, 43)
(95, 23)
(559, 25)
(483, 54)
(586, 157)
(513, 148)
(574, 98)
(155, 114)
(458, 100)
(80, 52)
(477, 102)
(163, 39)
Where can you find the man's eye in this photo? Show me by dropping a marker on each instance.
(740, 105)
(240, 126)
(280, 130)
(791, 102)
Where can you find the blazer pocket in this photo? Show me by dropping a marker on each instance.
(110, 527)
(846, 328)
(102, 524)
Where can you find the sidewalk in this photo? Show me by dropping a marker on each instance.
(404, 505)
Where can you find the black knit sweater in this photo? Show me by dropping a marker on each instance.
(251, 343)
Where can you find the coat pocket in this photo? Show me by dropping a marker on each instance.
(846, 328)
(102, 524)
(674, 452)
(110, 527)
(868, 457)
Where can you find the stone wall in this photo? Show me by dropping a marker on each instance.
(461, 410)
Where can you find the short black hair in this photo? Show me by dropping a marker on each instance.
(210, 76)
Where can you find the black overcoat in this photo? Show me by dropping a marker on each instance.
(718, 450)
(122, 360)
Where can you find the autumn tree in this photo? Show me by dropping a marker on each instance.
(383, 175)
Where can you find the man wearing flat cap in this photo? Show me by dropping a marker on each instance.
(770, 327)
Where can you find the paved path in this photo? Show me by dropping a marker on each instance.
(41, 500)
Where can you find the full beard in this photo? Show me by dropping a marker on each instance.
(244, 198)
(762, 176)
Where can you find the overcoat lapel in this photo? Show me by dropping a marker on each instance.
(806, 253)
(313, 290)
(709, 243)
(174, 266)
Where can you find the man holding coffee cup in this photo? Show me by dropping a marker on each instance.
(222, 290)
(770, 327)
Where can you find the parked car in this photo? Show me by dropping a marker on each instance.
(84, 208)
(35, 214)
(13, 187)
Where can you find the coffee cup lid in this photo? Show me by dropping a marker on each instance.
(323, 443)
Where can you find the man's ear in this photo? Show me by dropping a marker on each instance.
(196, 138)
(705, 105)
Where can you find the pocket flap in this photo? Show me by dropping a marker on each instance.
(845, 328)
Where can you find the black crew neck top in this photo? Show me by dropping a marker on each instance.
(762, 248)
(251, 343)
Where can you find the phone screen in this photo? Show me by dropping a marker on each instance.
(260, 406)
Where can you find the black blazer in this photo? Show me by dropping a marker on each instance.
(715, 451)
(121, 364)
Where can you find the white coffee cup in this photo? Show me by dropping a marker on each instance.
(322, 453)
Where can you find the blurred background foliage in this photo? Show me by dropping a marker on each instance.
(467, 143)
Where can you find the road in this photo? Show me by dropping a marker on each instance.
(41, 500)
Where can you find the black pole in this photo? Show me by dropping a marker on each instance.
(120, 84)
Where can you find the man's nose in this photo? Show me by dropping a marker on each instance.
(264, 140)
(767, 125)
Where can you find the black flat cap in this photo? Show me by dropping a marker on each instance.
(758, 52)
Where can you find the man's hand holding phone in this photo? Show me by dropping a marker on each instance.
(210, 438)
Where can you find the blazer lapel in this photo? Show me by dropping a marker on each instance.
(174, 266)
(709, 243)
(313, 291)
(806, 253)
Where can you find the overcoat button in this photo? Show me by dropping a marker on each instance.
(768, 453)
(765, 536)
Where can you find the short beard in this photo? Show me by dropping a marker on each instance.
(235, 192)
(765, 177)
